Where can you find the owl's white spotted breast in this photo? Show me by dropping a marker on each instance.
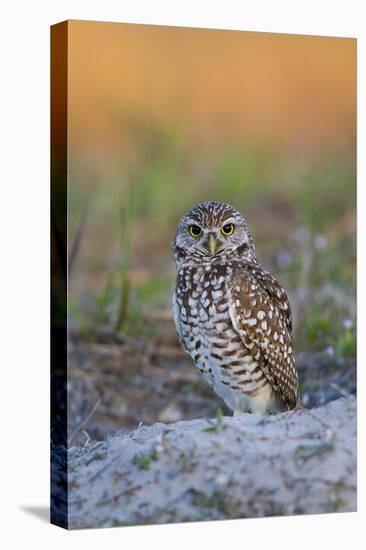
(202, 308)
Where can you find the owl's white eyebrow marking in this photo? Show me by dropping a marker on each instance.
(191, 221)
(230, 220)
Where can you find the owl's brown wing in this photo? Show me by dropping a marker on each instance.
(260, 313)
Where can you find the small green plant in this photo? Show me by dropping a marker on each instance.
(212, 501)
(78, 316)
(144, 461)
(126, 214)
(316, 324)
(306, 452)
(197, 386)
(103, 300)
(337, 504)
(216, 426)
(182, 459)
(346, 344)
(120, 523)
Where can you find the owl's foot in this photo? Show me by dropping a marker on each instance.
(298, 408)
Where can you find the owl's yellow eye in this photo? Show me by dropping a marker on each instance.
(195, 230)
(227, 229)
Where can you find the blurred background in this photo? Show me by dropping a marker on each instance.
(161, 118)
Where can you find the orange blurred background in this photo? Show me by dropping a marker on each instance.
(218, 84)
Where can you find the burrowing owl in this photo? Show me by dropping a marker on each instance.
(231, 315)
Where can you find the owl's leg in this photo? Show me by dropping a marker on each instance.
(297, 408)
(266, 402)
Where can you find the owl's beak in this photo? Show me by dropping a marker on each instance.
(212, 244)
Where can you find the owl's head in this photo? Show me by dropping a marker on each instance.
(212, 230)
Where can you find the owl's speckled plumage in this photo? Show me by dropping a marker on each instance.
(232, 316)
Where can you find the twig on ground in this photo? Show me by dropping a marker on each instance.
(82, 424)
